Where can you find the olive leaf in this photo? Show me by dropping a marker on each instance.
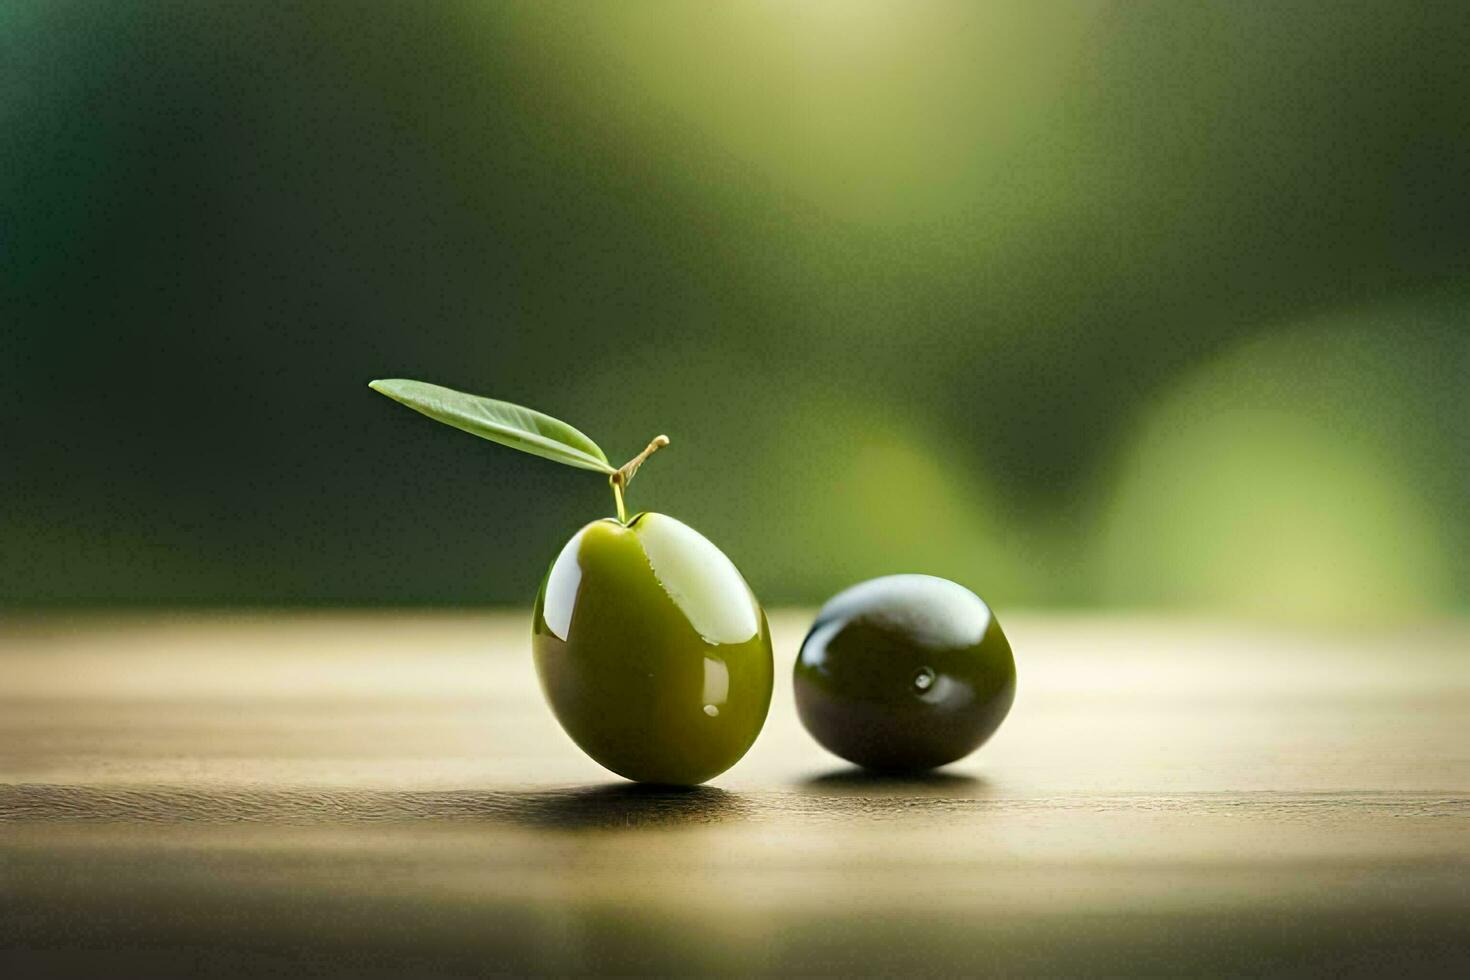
(510, 425)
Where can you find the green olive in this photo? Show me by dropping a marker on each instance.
(652, 651)
(904, 673)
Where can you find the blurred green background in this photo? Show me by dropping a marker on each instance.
(1088, 304)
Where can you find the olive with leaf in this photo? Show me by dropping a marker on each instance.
(651, 649)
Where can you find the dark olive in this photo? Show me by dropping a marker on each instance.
(652, 651)
(905, 672)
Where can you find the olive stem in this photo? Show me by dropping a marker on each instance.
(618, 497)
(623, 475)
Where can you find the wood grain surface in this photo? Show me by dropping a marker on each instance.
(386, 794)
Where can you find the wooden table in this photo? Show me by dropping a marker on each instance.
(381, 794)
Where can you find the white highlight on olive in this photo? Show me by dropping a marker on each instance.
(716, 685)
(703, 583)
(561, 587)
(958, 618)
